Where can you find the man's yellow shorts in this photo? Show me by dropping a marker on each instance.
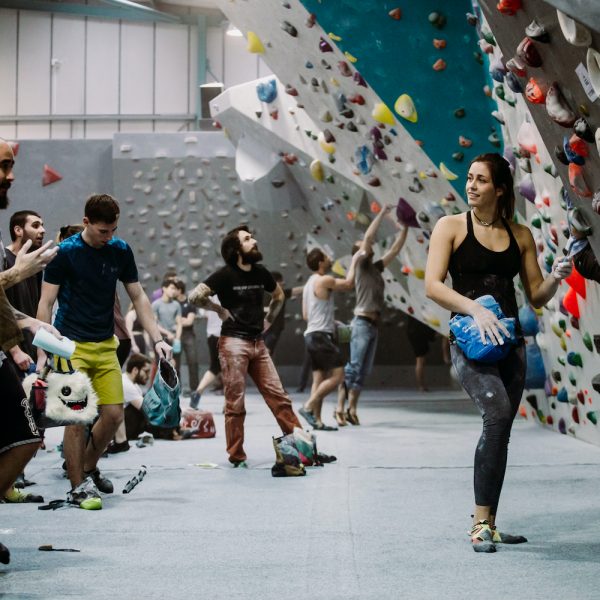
(98, 360)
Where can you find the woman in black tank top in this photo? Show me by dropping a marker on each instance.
(483, 252)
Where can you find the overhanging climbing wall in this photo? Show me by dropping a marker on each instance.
(350, 135)
(543, 65)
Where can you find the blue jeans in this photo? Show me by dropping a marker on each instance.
(363, 344)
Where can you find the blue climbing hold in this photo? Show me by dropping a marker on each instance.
(267, 91)
(363, 158)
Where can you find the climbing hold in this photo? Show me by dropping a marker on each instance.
(464, 142)
(514, 65)
(395, 13)
(267, 91)
(513, 83)
(437, 19)
(406, 214)
(357, 99)
(577, 181)
(528, 53)
(344, 69)
(509, 7)
(50, 176)
(316, 170)
(374, 182)
(574, 359)
(291, 90)
(459, 113)
(526, 137)
(497, 70)
(575, 33)
(325, 46)
(289, 28)
(447, 173)
(592, 60)
(277, 183)
(311, 20)
(439, 64)
(458, 156)
(350, 57)
(494, 139)
(592, 416)
(383, 114)
(439, 44)
(537, 32)
(255, 46)
(526, 188)
(570, 303)
(576, 281)
(562, 426)
(587, 341)
(363, 159)
(563, 395)
(583, 130)
(557, 107)
(405, 107)
(358, 79)
(326, 145)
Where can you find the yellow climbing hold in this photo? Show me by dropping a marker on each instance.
(422, 175)
(335, 38)
(405, 107)
(433, 321)
(338, 269)
(419, 273)
(447, 173)
(254, 44)
(351, 58)
(563, 344)
(383, 114)
(325, 145)
(316, 170)
(363, 219)
(334, 82)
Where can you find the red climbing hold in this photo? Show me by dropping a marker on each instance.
(396, 13)
(570, 303)
(509, 7)
(50, 176)
(439, 64)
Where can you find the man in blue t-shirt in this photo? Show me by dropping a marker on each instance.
(240, 286)
(83, 277)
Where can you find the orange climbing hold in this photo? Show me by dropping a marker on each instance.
(439, 44)
(535, 91)
(375, 208)
(576, 282)
(50, 176)
(577, 181)
(439, 64)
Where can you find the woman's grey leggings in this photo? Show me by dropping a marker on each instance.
(496, 390)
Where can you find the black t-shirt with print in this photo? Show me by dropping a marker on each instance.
(242, 294)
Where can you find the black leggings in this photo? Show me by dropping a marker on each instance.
(496, 390)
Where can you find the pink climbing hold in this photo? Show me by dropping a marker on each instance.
(50, 176)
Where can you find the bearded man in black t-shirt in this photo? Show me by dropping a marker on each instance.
(240, 286)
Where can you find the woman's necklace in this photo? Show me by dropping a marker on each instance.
(484, 223)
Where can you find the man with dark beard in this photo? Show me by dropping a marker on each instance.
(240, 286)
(19, 436)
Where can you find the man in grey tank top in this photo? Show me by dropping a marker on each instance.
(317, 309)
(369, 285)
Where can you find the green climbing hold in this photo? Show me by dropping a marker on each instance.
(574, 359)
(536, 222)
(551, 170)
(572, 379)
(549, 259)
(593, 417)
(541, 416)
(562, 324)
(488, 36)
(587, 340)
(499, 89)
(562, 360)
(330, 179)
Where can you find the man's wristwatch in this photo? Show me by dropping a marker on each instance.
(158, 341)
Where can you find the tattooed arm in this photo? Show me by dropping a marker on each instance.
(27, 263)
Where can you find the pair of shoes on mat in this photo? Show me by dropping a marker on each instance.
(352, 418)
(85, 495)
(485, 537)
(117, 447)
(239, 464)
